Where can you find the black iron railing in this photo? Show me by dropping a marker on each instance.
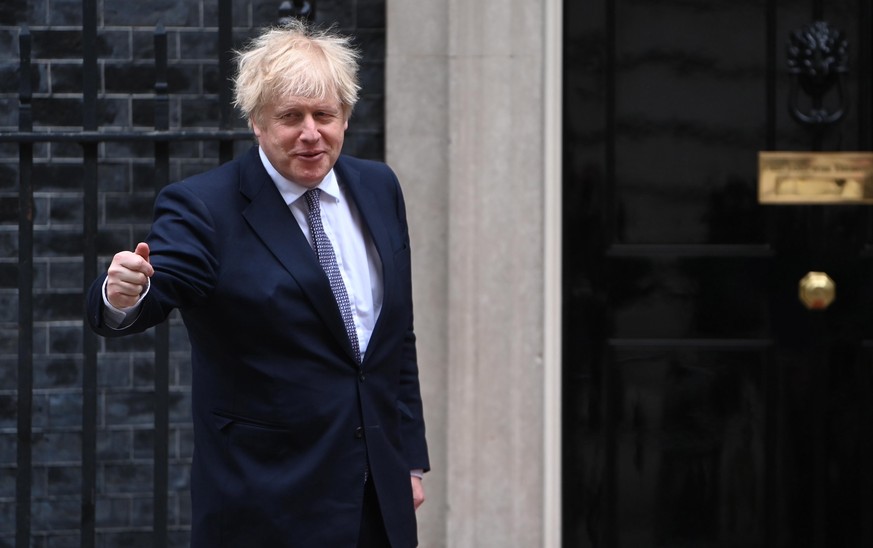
(90, 137)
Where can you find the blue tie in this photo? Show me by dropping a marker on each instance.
(327, 258)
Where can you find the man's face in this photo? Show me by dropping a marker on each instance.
(302, 137)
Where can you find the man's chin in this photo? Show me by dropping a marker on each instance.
(308, 177)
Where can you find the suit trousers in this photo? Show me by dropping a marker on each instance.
(372, 533)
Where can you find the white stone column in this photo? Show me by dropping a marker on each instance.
(417, 147)
(470, 114)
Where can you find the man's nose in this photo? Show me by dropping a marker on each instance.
(310, 130)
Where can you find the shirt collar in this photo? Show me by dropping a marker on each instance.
(292, 191)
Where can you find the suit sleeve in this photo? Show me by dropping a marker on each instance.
(409, 403)
(182, 252)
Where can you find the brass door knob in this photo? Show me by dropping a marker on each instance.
(817, 290)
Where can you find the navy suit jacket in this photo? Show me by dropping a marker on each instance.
(285, 421)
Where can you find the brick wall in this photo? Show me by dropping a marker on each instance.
(125, 373)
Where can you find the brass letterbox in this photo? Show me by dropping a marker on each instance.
(826, 178)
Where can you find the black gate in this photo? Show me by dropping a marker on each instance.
(96, 144)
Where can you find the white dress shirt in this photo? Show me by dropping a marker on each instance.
(356, 254)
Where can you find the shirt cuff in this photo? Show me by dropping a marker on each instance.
(117, 318)
(417, 473)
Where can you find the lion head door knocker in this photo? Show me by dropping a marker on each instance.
(817, 62)
(300, 9)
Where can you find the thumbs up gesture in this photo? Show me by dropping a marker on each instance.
(128, 275)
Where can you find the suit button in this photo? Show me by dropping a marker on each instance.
(359, 432)
(362, 377)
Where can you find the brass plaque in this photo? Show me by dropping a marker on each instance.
(795, 178)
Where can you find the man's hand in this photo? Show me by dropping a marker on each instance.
(127, 276)
(417, 491)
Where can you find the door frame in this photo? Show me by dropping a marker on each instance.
(553, 37)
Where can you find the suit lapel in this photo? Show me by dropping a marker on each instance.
(271, 219)
(372, 216)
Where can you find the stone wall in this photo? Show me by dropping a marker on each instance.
(125, 372)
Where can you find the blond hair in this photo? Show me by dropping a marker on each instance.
(296, 60)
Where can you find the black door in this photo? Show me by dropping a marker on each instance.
(704, 403)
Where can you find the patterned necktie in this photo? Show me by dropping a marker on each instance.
(327, 258)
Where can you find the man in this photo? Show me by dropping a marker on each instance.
(307, 412)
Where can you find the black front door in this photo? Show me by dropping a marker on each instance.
(704, 404)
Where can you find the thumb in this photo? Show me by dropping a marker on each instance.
(142, 249)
